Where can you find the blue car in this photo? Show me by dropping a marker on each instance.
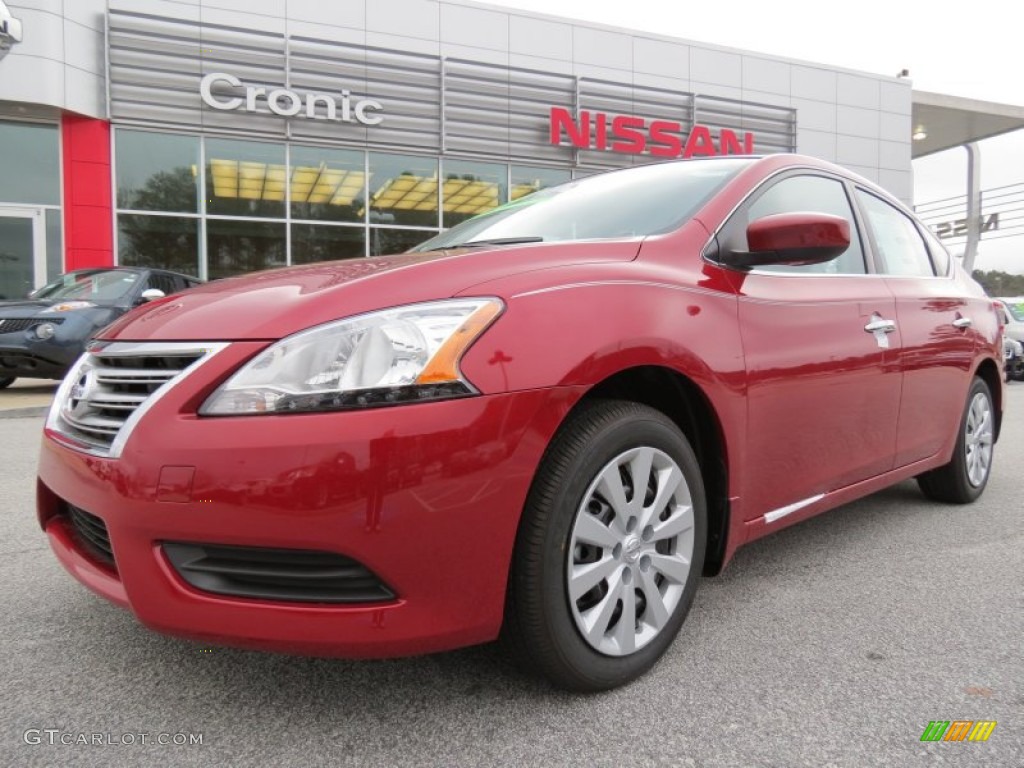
(42, 335)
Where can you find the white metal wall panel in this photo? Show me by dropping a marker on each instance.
(532, 93)
(430, 103)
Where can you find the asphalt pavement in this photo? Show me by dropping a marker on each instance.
(26, 398)
(832, 643)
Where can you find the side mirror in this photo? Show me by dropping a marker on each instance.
(794, 239)
(151, 293)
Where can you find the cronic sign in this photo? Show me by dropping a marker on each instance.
(224, 91)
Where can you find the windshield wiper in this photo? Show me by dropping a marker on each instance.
(497, 241)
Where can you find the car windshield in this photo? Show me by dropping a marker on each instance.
(93, 285)
(1016, 308)
(635, 202)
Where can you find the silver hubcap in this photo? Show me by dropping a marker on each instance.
(629, 551)
(978, 440)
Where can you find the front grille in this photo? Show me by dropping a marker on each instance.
(91, 533)
(112, 384)
(276, 574)
(14, 324)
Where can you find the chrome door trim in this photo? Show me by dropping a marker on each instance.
(778, 514)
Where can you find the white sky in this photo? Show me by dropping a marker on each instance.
(970, 49)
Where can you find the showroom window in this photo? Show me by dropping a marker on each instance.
(31, 164)
(525, 179)
(167, 242)
(216, 207)
(234, 247)
(403, 190)
(29, 185)
(327, 184)
(313, 242)
(472, 188)
(157, 172)
(244, 178)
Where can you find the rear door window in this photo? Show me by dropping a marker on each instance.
(899, 247)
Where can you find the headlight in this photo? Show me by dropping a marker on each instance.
(45, 331)
(67, 306)
(401, 355)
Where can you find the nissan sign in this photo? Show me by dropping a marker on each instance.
(221, 91)
(635, 135)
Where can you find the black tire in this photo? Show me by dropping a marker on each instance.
(952, 483)
(541, 620)
(6, 381)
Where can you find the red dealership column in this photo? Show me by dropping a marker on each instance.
(88, 204)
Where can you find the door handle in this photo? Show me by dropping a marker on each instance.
(879, 323)
(963, 322)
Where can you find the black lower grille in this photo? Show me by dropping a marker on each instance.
(276, 574)
(92, 534)
(12, 324)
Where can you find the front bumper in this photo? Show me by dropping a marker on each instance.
(24, 354)
(427, 497)
(37, 360)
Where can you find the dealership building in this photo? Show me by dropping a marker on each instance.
(215, 137)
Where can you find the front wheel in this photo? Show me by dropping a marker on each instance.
(610, 548)
(6, 381)
(963, 479)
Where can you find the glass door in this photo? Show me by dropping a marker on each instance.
(22, 251)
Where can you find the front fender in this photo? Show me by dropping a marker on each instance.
(579, 334)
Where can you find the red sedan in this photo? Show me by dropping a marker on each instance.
(546, 423)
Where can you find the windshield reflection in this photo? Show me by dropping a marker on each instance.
(95, 285)
(634, 202)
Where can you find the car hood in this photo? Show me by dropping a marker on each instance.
(276, 303)
(29, 308)
(22, 308)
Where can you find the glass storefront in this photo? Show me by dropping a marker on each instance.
(472, 188)
(16, 257)
(30, 159)
(256, 205)
(157, 175)
(327, 184)
(30, 215)
(168, 242)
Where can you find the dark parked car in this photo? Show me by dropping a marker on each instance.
(42, 335)
(548, 422)
(1013, 355)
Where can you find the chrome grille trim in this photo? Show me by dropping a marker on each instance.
(111, 387)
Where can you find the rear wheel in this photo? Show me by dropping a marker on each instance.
(6, 381)
(610, 549)
(964, 478)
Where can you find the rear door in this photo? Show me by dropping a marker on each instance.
(821, 355)
(935, 325)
